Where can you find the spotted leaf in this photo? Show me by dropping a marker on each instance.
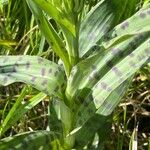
(106, 93)
(40, 73)
(27, 140)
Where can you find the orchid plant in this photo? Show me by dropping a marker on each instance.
(100, 45)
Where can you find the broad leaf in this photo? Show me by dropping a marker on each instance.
(40, 73)
(88, 72)
(29, 141)
(105, 95)
(100, 20)
(138, 23)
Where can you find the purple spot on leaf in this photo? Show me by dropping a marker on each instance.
(33, 79)
(132, 64)
(56, 73)
(109, 89)
(40, 60)
(46, 91)
(14, 69)
(124, 25)
(131, 55)
(107, 105)
(142, 15)
(28, 65)
(50, 71)
(91, 36)
(44, 82)
(43, 71)
(59, 68)
(117, 71)
(61, 65)
(103, 85)
(9, 75)
(140, 37)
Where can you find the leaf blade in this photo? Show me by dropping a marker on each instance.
(40, 73)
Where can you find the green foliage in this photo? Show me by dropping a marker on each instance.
(27, 141)
(100, 47)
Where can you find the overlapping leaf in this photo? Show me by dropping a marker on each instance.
(28, 140)
(105, 94)
(88, 72)
(56, 14)
(100, 20)
(138, 23)
(40, 73)
(50, 34)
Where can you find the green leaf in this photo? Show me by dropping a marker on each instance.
(7, 43)
(40, 73)
(100, 20)
(28, 140)
(105, 95)
(19, 109)
(96, 124)
(94, 26)
(50, 34)
(122, 71)
(56, 14)
(128, 56)
(88, 72)
(138, 23)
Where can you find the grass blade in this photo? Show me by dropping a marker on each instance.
(18, 110)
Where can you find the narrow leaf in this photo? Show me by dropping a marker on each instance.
(57, 15)
(50, 34)
(20, 110)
